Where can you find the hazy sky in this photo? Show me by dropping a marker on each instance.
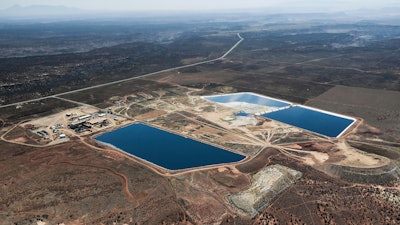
(130, 5)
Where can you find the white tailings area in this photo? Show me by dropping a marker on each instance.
(243, 121)
(248, 107)
(266, 185)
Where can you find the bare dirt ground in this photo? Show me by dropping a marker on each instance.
(73, 184)
(356, 158)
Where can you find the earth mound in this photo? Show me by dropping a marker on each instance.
(385, 174)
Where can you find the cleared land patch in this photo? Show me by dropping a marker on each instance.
(266, 185)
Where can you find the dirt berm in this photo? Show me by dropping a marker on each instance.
(385, 174)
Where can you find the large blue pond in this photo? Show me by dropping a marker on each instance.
(166, 149)
(249, 98)
(312, 120)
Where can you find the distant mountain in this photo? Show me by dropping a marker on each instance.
(39, 11)
(48, 13)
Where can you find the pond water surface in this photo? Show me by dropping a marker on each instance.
(165, 149)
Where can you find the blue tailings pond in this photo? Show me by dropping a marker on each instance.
(165, 149)
(314, 120)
